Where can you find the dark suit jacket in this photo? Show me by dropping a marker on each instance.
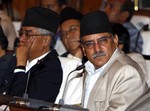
(4, 62)
(44, 81)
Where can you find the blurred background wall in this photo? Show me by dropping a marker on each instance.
(84, 6)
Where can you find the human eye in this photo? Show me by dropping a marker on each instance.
(103, 40)
(27, 35)
(72, 29)
(89, 44)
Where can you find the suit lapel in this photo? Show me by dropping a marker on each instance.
(41, 63)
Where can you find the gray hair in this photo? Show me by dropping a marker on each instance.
(45, 32)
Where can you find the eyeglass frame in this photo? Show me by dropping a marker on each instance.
(27, 35)
(100, 41)
(72, 29)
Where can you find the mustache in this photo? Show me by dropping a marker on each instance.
(98, 54)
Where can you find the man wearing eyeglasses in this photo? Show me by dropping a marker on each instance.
(37, 71)
(113, 80)
(70, 33)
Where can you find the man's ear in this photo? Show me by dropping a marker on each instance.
(116, 39)
(124, 15)
(47, 41)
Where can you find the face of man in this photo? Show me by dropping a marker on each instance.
(70, 34)
(40, 44)
(99, 48)
(112, 9)
(51, 4)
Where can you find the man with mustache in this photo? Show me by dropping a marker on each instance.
(113, 79)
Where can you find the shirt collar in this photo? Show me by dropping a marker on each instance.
(91, 69)
(34, 61)
(73, 57)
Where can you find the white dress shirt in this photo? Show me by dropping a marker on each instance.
(30, 64)
(93, 75)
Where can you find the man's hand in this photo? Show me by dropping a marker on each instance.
(23, 50)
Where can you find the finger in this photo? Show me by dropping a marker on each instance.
(30, 41)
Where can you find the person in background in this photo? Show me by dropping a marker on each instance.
(113, 79)
(123, 37)
(4, 57)
(121, 11)
(57, 6)
(124, 43)
(70, 33)
(8, 29)
(36, 71)
(70, 36)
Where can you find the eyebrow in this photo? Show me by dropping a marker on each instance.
(75, 25)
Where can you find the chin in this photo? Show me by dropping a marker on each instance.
(98, 64)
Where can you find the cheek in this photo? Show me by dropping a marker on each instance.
(65, 41)
(37, 45)
(88, 53)
(77, 34)
(34, 47)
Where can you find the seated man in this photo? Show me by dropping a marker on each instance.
(113, 79)
(70, 33)
(36, 70)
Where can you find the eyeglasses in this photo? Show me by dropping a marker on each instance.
(101, 41)
(72, 29)
(27, 34)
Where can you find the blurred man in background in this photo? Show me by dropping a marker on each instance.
(70, 33)
(121, 11)
(8, 29)
(4, 57)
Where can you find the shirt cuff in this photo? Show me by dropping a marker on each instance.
(19, 70)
